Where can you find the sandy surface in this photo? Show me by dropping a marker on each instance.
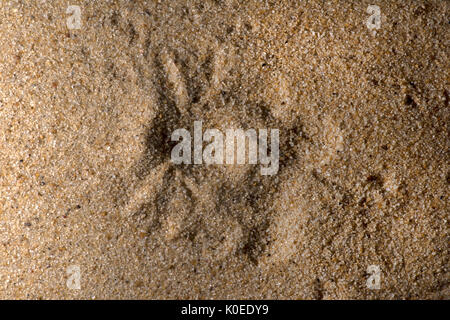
(85, 171)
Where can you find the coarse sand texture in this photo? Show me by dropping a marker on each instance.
(93, 207)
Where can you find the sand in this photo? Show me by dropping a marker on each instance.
(86, 178)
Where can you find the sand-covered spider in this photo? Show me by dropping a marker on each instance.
(220, 209)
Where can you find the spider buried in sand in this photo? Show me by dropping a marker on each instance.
(221, 209)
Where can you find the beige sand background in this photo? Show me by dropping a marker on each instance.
(85, 177)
